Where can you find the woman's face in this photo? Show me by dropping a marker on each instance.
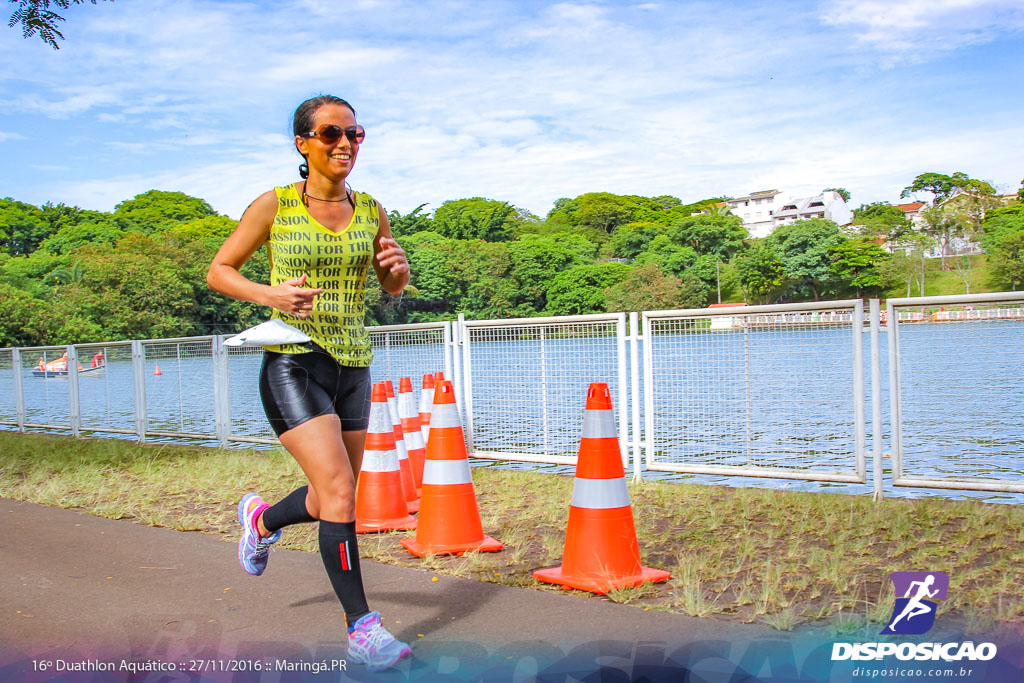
(334, 160)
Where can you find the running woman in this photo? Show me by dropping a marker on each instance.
(321, 238)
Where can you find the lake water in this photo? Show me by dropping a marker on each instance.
(963, 398)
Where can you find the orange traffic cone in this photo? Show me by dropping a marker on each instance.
(157, 372)
(601, 551)
(380, 501)
(412, 430)
(449, 522)
(408, 483)
(438, 376)
(426, 401)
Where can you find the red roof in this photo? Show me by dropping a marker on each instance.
(912, 206)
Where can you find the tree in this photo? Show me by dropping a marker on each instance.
(24, 320)
(1006, 260)
(536, 260)
(646, 288)
(899, 269)
(35, 16)
(804, 249)
(581, 289)
(719, 236)
(430, 265)
(482, 273)
(882, 219)
(942, 186)
(760, 271)
(843, 192)
(858, 262)
(410, 223)
(476, 218)
(156, 210)
(940, 225)
(22, 227)
(671, 257)
(629, 240)
(70, 238)
(594, 214)
(141, 288)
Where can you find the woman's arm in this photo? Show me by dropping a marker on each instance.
(389, 258)
(252, 231)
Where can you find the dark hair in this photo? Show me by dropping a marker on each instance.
(302, 120)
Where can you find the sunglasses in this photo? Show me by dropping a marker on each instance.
(330, 133)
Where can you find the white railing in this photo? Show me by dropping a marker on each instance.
(758, 391)
(526, 382)
(956, 391)
(765, 391)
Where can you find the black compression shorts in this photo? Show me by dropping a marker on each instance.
(296, 387)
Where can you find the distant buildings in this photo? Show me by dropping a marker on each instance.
(764, 211)
(912, 211)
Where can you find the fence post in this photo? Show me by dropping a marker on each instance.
(876, 397)
(623, 378)
(19, 389)
(139, 372)
(221, 391)
(74, 395)
(648, 392)
(466, 390)
(895, 397)
(859, 417)
(634, 373)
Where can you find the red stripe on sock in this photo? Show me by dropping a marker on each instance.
(343, 547)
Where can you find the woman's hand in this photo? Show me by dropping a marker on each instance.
(292, 298)
(392, 257)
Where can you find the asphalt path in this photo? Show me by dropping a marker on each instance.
(91, 599)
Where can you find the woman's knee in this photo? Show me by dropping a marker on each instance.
(336, 498)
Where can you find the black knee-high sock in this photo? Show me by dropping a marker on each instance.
(341, 560)
(289, 510)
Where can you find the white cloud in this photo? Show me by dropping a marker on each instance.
(916, 29)
(11, 136)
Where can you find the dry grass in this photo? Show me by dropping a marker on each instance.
(781, 558)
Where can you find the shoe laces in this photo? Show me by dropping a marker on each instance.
(376, 637)
(261, 547)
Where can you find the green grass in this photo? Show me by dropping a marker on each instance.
(752, 555)
(939, 282)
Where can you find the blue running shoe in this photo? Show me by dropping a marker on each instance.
(253, 550)
(371, 645)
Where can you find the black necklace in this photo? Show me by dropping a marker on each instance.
(348, 197)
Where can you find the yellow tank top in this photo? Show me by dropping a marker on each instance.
(336, 262)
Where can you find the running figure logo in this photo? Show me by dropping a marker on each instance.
(914, 613)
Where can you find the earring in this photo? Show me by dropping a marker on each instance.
(303, 170)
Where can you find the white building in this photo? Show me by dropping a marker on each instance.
(757, 210)
(764, 211)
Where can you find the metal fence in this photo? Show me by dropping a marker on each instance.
(762, 391)
(956, 387)
(526, 383)
(766, 391)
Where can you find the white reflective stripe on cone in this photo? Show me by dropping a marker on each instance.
(447, 472)
(380, 461)
(599, 424)
(393, 412)
(600, 493)
(414, 440)
(380, 422)
(445, 415)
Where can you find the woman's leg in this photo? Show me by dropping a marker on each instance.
(319, 446)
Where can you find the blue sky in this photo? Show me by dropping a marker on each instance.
(524, 102)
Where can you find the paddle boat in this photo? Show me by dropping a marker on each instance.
(59, 367)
